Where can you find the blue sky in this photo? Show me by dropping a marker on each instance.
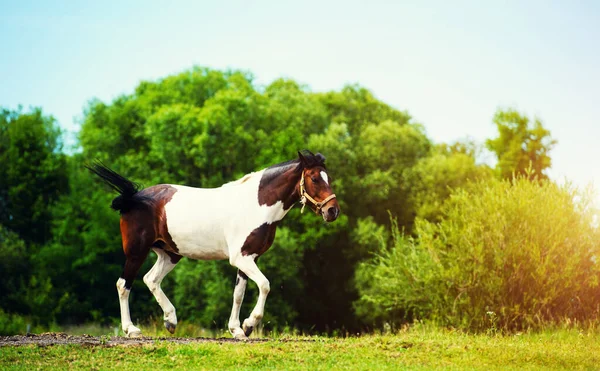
(449, 64)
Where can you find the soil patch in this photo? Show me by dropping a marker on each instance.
(60, 338)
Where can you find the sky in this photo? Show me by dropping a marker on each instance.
(449, 64)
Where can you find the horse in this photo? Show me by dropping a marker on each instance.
(236, 221)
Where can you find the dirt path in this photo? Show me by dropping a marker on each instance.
(60, 338)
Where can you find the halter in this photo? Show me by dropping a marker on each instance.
(305, 196)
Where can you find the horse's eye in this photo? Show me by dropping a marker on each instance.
(313, 179)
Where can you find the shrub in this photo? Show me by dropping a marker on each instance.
(520, 253)
(11, 324)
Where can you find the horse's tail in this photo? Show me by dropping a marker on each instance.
(125, 201)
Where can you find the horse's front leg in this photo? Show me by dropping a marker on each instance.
(247, 265)
(238, 298)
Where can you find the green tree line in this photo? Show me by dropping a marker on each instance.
(398, 191)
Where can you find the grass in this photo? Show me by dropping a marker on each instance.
(417, 348)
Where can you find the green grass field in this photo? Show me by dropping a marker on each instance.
(423, 348)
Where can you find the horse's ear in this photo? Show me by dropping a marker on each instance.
(303, 160)
(320, 157)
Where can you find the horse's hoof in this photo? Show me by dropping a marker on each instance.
(134, 334)
(248, 330)
(241, 337)
(170, 327)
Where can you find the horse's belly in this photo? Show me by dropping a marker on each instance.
(202, 251)
(199, 242)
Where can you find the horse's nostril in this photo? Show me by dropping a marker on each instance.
(332, 211)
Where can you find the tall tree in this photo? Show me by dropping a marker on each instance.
(33, 172)
(521, 149)
(32, 177)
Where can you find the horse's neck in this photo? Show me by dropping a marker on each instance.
(280, 184)
(291, 193)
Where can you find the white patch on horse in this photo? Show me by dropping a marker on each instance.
(325, 177)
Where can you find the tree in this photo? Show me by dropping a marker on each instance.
(32, 177)
(15, 267)
(520, 148)
(33, 172)
(434, 177)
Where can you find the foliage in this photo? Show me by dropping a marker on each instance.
(434, 177)
(15, 267)
(521, 149)
(522, 253)
(33, 172)
(33, 175)
(12, 324)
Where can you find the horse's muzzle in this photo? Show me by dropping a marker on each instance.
(330, 213)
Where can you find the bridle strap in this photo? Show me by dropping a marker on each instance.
(304, 196)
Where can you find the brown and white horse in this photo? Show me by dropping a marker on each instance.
(236, 221)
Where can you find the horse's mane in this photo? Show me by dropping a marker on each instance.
(310, 160)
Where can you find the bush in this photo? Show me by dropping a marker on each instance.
(11, 324)
(512, 255)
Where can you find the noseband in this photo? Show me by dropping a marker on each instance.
(305, 196)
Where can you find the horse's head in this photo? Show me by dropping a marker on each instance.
(315, 186)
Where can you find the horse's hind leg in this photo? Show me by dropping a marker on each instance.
(238, 298)
(247, 265)
(132, 266)
(137, 240)
(165, 263)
